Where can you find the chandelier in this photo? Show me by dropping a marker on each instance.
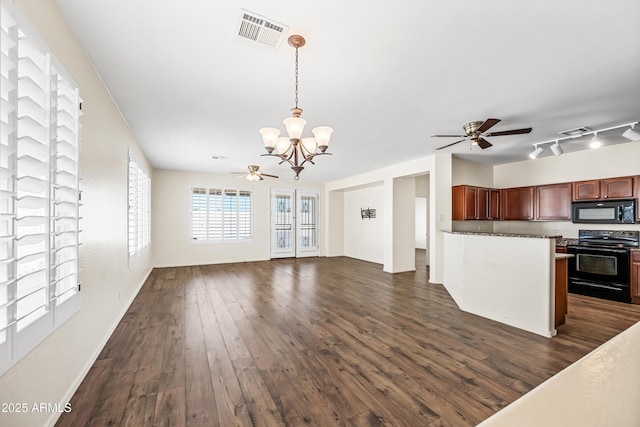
(294, 149)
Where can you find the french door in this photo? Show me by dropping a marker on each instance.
(294, 223)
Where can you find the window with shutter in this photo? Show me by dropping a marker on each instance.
(218, 215)
(39, 189)
(139, 217)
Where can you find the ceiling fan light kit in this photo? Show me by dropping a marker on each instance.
(254, 174)
(294, 149)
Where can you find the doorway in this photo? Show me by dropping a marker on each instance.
(294, 223)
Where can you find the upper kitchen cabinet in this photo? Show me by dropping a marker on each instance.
(471, 202)
(610, 188)
(517, 203)
(636, 186)
(553, 202)
(617, 188)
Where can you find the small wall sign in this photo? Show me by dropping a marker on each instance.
(368, 213)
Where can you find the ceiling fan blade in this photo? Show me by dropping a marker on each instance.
(510, 132)
(266, 174)
(448, 136)
(483, 143)
(488, 124)
(449, 145)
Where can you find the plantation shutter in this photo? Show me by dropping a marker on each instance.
(39, 189)
(220, 214)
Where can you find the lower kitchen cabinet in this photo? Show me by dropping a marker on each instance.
(635, 277)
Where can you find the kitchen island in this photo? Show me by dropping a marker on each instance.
(505, 277)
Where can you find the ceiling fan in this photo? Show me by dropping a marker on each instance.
(254, 174)
(475, 131)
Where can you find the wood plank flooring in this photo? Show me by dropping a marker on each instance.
(319, 342)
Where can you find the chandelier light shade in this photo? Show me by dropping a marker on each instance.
(293, 148)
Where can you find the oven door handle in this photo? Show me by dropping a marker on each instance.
(594, 249)
(596, 285)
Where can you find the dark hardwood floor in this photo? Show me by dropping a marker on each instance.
(319, 342)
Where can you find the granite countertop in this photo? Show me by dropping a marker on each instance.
(481, 233)
(564, 242)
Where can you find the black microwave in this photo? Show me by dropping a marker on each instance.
(604, 212)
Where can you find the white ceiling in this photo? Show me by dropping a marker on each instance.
(385, 75)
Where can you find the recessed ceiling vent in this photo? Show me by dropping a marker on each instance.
(574, 133)
(260, 30)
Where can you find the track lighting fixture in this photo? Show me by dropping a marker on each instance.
(556, 149)
(535, 153)
(595, 142)
(632, 134)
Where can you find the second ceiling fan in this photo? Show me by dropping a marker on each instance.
(476, 131)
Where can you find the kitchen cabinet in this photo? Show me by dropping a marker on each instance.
(635, 277)
(610, 188)
(494, 204)
(470, 202)
(561, 291)
(517, 203)
(553, 202)
(636, 187)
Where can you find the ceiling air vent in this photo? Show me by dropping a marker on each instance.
(574, 133)
(260, 30)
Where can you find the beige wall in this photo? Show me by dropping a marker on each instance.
(364, 238)
(171, 219)
(53, 370)
(465, 172)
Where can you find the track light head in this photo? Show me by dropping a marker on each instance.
(535, 153)
(557, 149)
(631, 134)
(595, 142)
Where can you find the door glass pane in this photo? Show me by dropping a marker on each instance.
(283, 223)
(307, 222)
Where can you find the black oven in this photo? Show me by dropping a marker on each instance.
(601, 264)
(600, 272)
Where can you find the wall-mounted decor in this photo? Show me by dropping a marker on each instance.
(368, 213)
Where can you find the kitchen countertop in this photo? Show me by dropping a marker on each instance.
(564, 256)
(482, 233)
(601, 389)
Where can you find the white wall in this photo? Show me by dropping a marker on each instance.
(421, 222)
(364, 238)
(171, 220)
(54, 369)
(439, 169)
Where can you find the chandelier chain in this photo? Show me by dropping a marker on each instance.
(296, 77)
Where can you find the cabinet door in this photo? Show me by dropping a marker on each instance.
(636, 187)
(617, 188)
(586, 190)
(553, 202)
(494, 204)
(464, 202)
(516, 203)
(635, 275)
(482, 203)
